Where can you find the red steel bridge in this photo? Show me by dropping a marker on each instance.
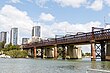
(101, 37)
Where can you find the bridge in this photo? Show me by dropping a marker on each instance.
(100, 37)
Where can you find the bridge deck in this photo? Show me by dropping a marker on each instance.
(83, 38)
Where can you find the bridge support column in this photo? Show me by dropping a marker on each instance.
(102, 51)
(29, 52)
(35, 55)
(71, 51)
(49, 52)
(42, 53)
(108, 52)
(93, 52)
(64, 52)
(74, 52)
(55, 52)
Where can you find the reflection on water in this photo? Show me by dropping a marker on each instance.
(50, 66)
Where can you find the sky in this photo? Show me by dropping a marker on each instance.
(56, 17)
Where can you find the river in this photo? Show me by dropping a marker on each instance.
(50, 66)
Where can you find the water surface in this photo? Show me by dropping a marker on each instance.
(50, 66)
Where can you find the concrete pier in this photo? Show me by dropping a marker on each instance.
(108, 52)
(74, 52)
(55, 52)
(64, 52)
(29, 52)
(49, 52)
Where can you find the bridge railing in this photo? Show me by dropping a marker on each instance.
(74, 38)
(84, 37)
(102, 35)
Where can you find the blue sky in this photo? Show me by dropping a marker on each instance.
(56, 17)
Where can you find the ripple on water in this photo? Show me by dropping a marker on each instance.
(49, 66)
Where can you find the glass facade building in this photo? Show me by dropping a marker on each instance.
(36, 30)
(25, 40)
(3, 37)
(14, 36)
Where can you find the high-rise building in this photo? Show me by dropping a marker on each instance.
(14, 36)
(3, 37)
(36, 31)
(25, 40)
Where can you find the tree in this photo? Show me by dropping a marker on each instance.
(87, 54)
(2, 44)
(9, 47)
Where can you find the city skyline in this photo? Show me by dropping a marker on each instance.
(56, 17)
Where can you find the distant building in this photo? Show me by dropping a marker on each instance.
(3, 37)
(25, 40)
(36, 30)
(14, 36)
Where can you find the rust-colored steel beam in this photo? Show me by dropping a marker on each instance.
(35, 55)
(93, 52)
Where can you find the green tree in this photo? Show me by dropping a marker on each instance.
(2, 44)
(9, 47)
(17, 53)
(87, 54)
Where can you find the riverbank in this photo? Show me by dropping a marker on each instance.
(4, 56)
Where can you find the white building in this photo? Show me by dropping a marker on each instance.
(3, 36)
(36, 31)
(14, 36)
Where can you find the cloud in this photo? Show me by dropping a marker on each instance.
(41, 3)
(107, 2)
(15, 1)
(62, 28)
(96, 5)
(109, 14)
(72, 3)
(46, 17)
(12, 17)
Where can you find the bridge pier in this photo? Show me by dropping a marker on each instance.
(42, 53)
(49, 53)
(55, 52)
(64, 52)
(35, 55)
(29, 52)
(108, 52)
(74, 52)
(102, 51)
(93, 51)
